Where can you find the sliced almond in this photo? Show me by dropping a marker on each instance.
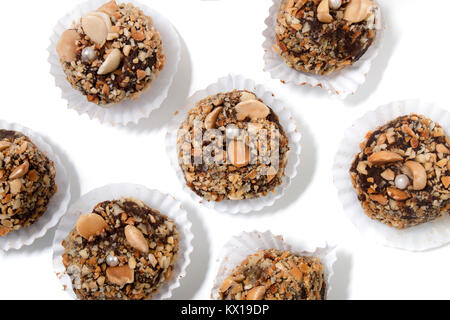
(4, 145)
(67, 47)
(384, 157)
(388, 175)
(358, 10)
(381, 199)
(238, 153)
(211, 118)
(109, 8)
(90, 225)
(20, 171)
(323, 12)
(95, 28)
(252, 109)
(136, 239)
(419, 175)
(397, 194)
(111, 62)
(257, 293)
(120, 275)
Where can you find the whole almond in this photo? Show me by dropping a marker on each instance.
(67, 47)
(20, 171)
(95, 28)
(211, 118)
(136, 239)
(252, 109)
(111, 62)
(419, 175)
(90, 225)
(323, 12)
(358, 10)
(384, 157)
(238, 153)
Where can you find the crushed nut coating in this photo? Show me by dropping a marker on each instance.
(230, 174)
(124, 65)
(276, 275)
(309, 45)
(143, 243)
(27, 182)
(411, 149)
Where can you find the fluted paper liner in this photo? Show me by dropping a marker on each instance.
(228, 84)
(423, 237)
(166, 204)
(58, 203)
(341, 83)
(249, 243)
(128, 110)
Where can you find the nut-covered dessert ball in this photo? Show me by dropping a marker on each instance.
(325, 36)
(232, 147)
(122, 250)
(402, 174)
(27, 182)
(276, 275)
(112, 54)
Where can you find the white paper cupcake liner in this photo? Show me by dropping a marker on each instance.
(228, 84)
(426, 236)
(166, 204)
(341, 83)
(240, 247)
(128, 110)
(58, 203)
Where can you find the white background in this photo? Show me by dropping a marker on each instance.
(220, 37)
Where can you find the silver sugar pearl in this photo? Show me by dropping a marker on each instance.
(112, 261)
(88, 54)
(401, 181)
(335, 4)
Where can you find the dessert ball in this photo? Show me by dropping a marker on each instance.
(324, 36)
(122, 250)
(232, 147)
(402, 174)
(112, 54)
(276, 275)
(27, 182)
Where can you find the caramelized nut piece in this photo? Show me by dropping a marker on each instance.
(95, 26)
(358, 10)
(323, 12)
(111, 62)
(246, 96)
(66, 47)
(388, 175)
(384, 157)
(252, 109)
(238, 153)
(109, 8)
(210, 121)
(445, 181)
(381, 199)
(4, 145)
(362, 168)
(15, 186)
(227, 284)
(257, 293)
(90, 225)
(120, 275)
(136, 239)
(397, 194)
(20, 171)
(419, 175)
(442, 149)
